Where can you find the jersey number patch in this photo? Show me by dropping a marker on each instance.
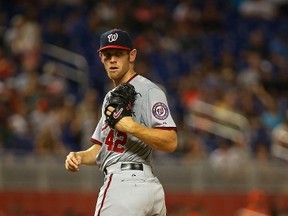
(116, 141)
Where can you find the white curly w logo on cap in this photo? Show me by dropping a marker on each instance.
(112, 37)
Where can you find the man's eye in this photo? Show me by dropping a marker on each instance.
(107, 55)
(118, 54)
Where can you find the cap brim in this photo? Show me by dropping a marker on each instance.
(114, 47)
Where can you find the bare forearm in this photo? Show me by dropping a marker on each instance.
(88, 157)
(160, 139)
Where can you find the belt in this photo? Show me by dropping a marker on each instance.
(127, 166)
(131, 166)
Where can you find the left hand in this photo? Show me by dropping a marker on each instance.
(124, 124)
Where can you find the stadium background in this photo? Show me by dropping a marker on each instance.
(222, 63)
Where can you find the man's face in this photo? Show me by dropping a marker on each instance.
(116, 62)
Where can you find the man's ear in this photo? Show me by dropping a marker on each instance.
(100, 56)
(132, 55)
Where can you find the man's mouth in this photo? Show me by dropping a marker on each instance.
(113, 68)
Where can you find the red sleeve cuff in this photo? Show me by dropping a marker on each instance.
(95, 141)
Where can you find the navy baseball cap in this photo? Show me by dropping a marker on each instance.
(117, 39)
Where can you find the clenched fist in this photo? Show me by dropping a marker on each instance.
(73, 161)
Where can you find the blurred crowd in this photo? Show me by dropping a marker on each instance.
(223, 64)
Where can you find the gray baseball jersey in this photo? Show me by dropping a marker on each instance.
(150, 109)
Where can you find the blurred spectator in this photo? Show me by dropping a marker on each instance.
(186, 11)
(280, 140)
(262, 9)
(260, 143)
(250, 75)
(212, 19)
(229, 157)
(3, 27)
(262, 153)
(228, 102)
(38, 116)
(46, 144)
(278, 47)
(5, 112)
(53, 84)
(106, 10)
(7, 69)
(188, 89)
(142, 15)
(88, 112)
(169, 42)
(271, 116)
(48, 140)
(249, 104)
(24, 36)
(227, 69)
(70, 126)
(193, 149)
(55, 33)
(256, 42)
(19, 126)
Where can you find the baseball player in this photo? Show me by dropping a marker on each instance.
(126, 135)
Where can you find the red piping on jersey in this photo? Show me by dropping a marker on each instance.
(95, 141)
(166, 128)
(105, 193)
(132, 78)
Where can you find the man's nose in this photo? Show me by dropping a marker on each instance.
(113, 58)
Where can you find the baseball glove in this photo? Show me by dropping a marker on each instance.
(122, 98)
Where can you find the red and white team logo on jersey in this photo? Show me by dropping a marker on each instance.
(160, 111)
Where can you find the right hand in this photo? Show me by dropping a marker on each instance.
(73, 161)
